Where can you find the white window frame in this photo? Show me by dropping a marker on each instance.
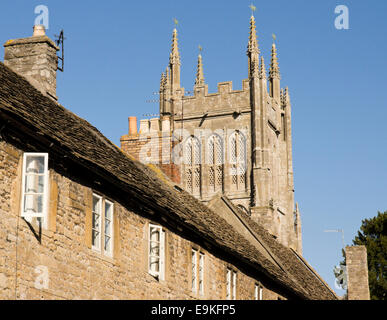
(234, 285)
(201, 272)
(99, 243)
(194, 264)
(231, 280)
(197, 271)
(228, 284)
(110, 251)
(44, 214)
(258, 292)
(100, 247)
(160, 275)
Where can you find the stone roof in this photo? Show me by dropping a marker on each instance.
(22, 106)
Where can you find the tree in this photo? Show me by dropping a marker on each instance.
(373, 235)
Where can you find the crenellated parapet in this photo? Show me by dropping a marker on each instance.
(225, 99)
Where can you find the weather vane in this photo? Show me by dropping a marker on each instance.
(200, 48)
(274, 37)
(175, 22)
(253, 8)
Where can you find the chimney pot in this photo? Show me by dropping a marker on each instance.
(132, 126)
(39, 30)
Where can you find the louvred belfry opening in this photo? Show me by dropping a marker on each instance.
(238, 160)
(215, 157)
(192, 157)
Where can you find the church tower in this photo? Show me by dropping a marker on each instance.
(235, 144)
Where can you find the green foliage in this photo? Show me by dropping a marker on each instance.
(373, 235)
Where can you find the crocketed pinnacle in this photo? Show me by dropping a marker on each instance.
(167, 77)
(162, 81)
(282, 97)
(199, 81)
(274, 68)
(254, 66)
(262, 69)
(286, 96)
(174, 57)
(252, 47)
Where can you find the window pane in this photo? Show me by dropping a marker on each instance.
(107, 243)
(107, 228)
(201, 273)
(234, 286)
(96, 232)
(35, 164)
(108, 210)
(96, 221)
(96, 238)
(155, 249)
(96, 204)
(155, 235)
(194, 270)
(33, 203)
(34, 183)
(154, 264)
(228, 284)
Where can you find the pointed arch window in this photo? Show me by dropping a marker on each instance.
(215, 163)
(192, 156)
(238, 160)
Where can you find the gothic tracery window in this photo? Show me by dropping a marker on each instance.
(238, 160)
(215, 163)
(192, 157)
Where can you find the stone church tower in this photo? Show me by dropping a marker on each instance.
(234, 144)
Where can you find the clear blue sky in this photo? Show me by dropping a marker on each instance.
(116, 50)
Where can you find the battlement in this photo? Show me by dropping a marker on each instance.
(224, 88)
(225, 99)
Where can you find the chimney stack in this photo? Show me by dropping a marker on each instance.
(357, 273)
(34, 58)
(133, 126)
